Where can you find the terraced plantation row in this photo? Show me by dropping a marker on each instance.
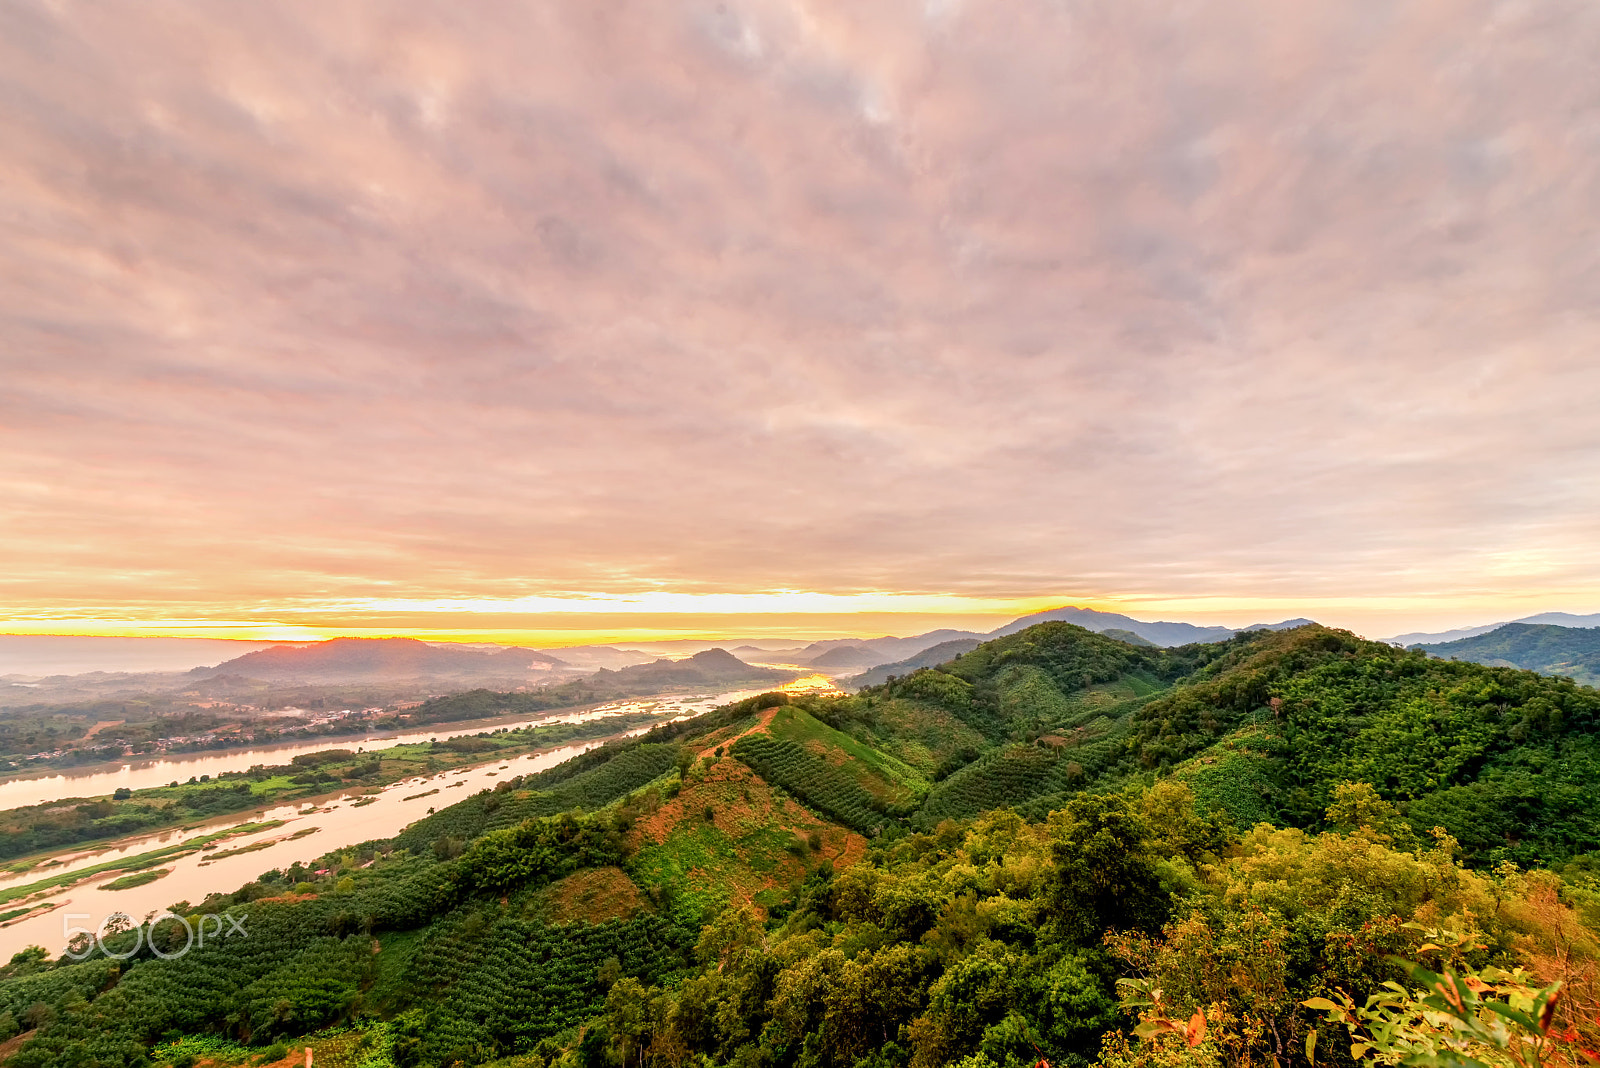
(823, 787)
(922, 874)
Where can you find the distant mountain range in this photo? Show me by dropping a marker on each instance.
(846, 658)
(387, 659)
(1542, 647)
(594, 657)
(1554, 619)
(952, 643)
(373, 659)
(1161, 633)
(931, 657)
(905, 650)
(714, 667)
(888, 646)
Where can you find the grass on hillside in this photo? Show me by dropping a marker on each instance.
(925, 736)
(592, 896)
(888, 778)
(1235, 776)
(522, 904)
(756, 844)
(128, 882)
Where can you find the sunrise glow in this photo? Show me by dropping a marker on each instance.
(817, 327)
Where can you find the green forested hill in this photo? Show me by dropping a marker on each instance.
(930, 657)
(1549, 650)
(953, 868)
(1505, 760)
(1263, 727)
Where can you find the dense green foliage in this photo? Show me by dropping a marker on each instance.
(307, 963)
(505, 983)
(1007, 777)
(1570, 651)
(1231, 829)
(1264, 725)
(1504, 760)
(823, 787)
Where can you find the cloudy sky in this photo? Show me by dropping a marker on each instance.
(606, 317)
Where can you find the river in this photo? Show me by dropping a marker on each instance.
(338, 822)
(138, 773)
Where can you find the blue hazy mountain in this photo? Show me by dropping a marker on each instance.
(930, 657)
(1554, 619)
(1161, 633)
(1542, 647)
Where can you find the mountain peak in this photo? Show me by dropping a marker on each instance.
(1161, 633)
(356, 659)
(717, 657)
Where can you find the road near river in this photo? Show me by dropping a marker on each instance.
(335, 824)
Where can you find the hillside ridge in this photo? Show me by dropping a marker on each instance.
(955, 866)
(1548, 649)
(360, 659)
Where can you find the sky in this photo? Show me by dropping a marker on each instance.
(565, 321)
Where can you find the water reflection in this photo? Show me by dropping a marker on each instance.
(820, 685)
(341, 820)
(140, 773)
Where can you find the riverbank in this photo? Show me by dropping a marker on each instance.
(271, 751)
(340, 821)
(33, 834)
(136, 863)
(135, 774)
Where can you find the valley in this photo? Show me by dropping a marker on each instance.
(1549, 649)
(388, 684)
(955, 865)
(273, 795)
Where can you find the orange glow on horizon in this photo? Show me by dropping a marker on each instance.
(583, 619)
(556, 622)
(821, 685)
(798, 628)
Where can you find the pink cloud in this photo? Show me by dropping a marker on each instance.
(1135, 297)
